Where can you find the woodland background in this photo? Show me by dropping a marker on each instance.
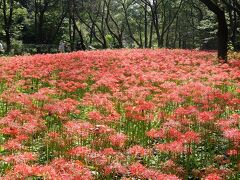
(37, 26)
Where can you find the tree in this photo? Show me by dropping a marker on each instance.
(115, 24)
(92, 14)
(8, 8)
(233, 9)
(41, 8)
(222, 28)
(185, 24)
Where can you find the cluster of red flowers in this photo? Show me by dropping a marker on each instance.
(120, 114)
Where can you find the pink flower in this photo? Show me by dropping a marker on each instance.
(70, 169)
(137, 151)
(13, 144)
(232, 134)
(53, 135)
(118, 139)
(206, 116)
(109, 152)
(80, 151)
(95, 115)
(78, 128)
(62, 107)
(190, 137)
(212, 176)
(173, 147)
(232, 152)
(137, 169)
(115, 168)
(153, 133)
(20, 158)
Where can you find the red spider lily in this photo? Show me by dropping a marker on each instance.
(118, 139)
(112, 117)
(213, 176)
(232, 152)
(53, 135)
(80, 151)
(226, 124)
(138, 151)
(13, 144)
(17, 98)
(102, 129)
(171, 166)
(190, 137)
(71, 169)
(190, 110)
(20, 171)
(54, 138)
(172, 147)
(82, 129)
(205, 117)
(172, 133)
(97, 158)
(19, 123)
(62, 107)
(109, 152)
(94, 115)
(232, 134)
(100, 101)
(11, 116)
(110, 108)
(43, 94)
(115, 168)
(10, 131)
(140, 171)
(137, 169)
(22, 137)
(71, 86)
(107, 80)
(174, 123)
(144, 106)
(153, 133)
(47, 172)
(20, 158)
(59, 169)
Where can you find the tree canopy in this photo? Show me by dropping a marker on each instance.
(38, 26)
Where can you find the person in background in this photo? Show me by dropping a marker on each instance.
(61, 47)
(1, 48)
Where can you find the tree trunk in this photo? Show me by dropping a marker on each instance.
(129, 27)
(222, 36)
(40, 27)
(36, 20)
(117, 34)
(8, 23)
(155, 20)
(8, 41)
(157, 29)
(145, 27)
(175, 33)
(150, 35)
(234, 31)
(222, 28)
(82, 45)
(51, 40)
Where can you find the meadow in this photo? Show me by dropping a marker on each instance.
(120, 114)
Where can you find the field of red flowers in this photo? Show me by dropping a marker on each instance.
(120, 114)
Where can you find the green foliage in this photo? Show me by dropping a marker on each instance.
(114, 24)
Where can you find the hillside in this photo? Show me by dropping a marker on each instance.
(120, 114)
